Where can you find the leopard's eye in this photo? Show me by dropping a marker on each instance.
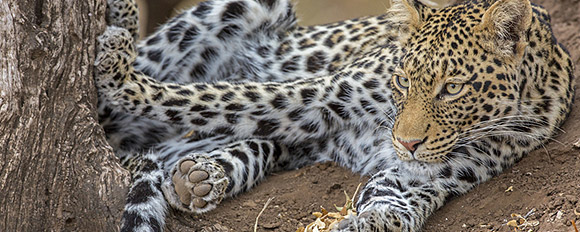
(402, 82)
(453, 88)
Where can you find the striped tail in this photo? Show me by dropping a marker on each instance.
(146, 206)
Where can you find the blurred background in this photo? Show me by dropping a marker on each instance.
(156, 12)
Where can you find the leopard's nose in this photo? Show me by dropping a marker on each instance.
(411, 145)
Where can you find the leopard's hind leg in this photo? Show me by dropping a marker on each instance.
(215, 41)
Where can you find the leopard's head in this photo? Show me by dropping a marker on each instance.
(459, 71)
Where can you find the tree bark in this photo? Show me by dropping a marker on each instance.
(57, 172)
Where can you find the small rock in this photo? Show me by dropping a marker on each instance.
(215, 228)
(324, 166)
(577, 144)
(572, 199)
(559, 215)
(271, 225)
(250, 204)
(335, 187)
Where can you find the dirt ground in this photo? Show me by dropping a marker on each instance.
(545, 185)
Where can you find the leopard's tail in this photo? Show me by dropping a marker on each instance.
(146, 207)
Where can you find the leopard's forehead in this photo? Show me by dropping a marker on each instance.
(445, 44)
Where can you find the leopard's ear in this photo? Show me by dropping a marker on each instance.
(504, 25)
(411, 12)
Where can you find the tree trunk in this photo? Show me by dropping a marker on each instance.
(57, 172)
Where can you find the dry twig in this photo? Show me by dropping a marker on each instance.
(260, 214)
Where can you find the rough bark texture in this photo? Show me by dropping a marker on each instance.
(57, 173)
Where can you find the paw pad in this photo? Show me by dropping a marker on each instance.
(202, 190)
(197, 176)
(199, 183)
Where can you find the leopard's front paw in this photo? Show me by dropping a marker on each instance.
(371, 221)
(198, 184)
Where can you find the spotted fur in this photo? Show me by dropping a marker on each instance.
(428, 102)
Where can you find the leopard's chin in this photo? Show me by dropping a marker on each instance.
(436, 157)
(426, 157)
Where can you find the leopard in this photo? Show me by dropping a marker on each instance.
(427, 101)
